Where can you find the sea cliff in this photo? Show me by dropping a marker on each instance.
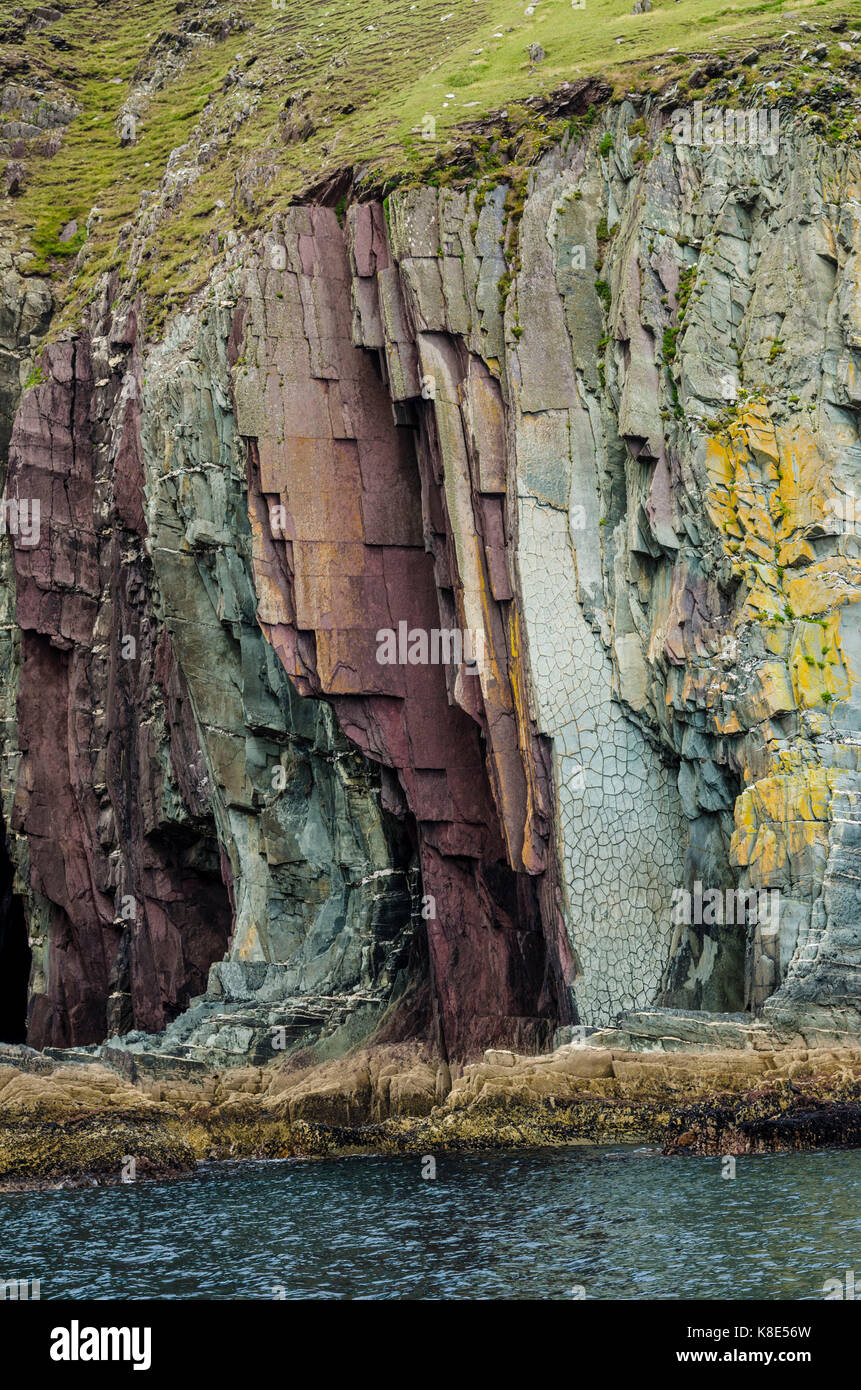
(430, 584)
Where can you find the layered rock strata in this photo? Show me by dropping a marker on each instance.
(63, 1124)
(366, 526)
(603, 424)
(108, 815)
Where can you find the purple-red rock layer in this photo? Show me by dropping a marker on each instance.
(360, 545)
(128, 896)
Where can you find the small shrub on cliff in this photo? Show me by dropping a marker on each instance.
(686, 285)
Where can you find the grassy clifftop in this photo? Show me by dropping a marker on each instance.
(230, 109)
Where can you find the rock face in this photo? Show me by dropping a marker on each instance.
(741, 562)
(123, 890)
(78, 1124)
(25, 311)
(324, 887)
(422, 631)
(367, 530)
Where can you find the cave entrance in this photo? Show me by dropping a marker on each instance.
(15, 954)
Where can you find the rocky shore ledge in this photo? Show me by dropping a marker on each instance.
(64, 1122)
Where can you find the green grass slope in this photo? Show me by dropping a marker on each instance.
(263, 100)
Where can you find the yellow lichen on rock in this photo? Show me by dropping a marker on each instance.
(817, 666)
(770, 487)
(782, 824)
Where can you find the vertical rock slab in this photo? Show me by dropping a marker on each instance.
(727, 447)
(621, 830)
(124, 919)
(336, 493)
(25, 311)
(321, 874)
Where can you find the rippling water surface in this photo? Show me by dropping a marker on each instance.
(621, 1224)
